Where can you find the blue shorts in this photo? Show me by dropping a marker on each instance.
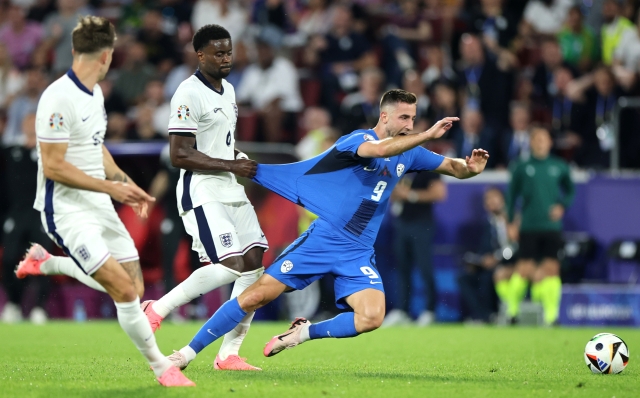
(319, 251)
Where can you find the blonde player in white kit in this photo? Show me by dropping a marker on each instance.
(214, 207)
(77, 178)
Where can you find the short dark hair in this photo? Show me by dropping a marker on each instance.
(93, 34)
(396, 96)
(207, 33)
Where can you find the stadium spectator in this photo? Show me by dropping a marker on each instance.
(154, 97)
(545, 186)
(134, 74)
(340, 55)
(113, 102)
(473, 133)
(486, 83)
(445, 102)
(316, 123)
(405, 30)
(360, 110)
(494, 23)
(544, 88)
(22, 224)
(188, 67)
(626, 57)
(412, 83)
(598, 94)
(25, 103)
(567, 115)
(314, 19)
(225, 13)
(58, 27)
(273, 13)
(513, 144)
(439, 69)
(117, 128)
(578, 42)
(160, 47)
(270, 86)
(486, 269)
(144, 123)
(20, 36)
(613, 29)
(547, 16)
(11, 80)
(412, 202)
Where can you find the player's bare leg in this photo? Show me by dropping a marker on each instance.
(368, 313)
(228, 358)
(265, 290)
(122, 287)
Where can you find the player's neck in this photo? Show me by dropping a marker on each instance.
(87, 73)
(216, 83)
(380, 131)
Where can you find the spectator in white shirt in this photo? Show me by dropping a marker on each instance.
(547, 16)
(270, 86)
(225, 13)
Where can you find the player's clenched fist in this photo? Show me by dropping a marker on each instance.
(244, 168)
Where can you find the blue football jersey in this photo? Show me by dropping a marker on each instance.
(344, 189)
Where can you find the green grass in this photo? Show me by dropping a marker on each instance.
(95, 359)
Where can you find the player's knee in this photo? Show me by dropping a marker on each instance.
(235, 263)
(371, 319)
(140, 290)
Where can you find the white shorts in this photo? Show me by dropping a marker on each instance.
(90, 237)
(222, 230)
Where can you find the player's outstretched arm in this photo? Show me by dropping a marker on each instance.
(185, 156)
(393, 146)
(56, 168)
(464, 168)
(116, 175)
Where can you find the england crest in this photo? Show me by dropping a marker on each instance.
(226, 239)
(399, 169)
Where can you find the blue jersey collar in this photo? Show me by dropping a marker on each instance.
(74, 78)
(204, 81)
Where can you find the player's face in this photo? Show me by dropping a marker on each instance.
(400, 119)
(215, 59)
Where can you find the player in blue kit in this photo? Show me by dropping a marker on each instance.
(348, 187)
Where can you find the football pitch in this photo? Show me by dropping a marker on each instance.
(95, 359)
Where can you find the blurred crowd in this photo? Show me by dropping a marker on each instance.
(306, 71)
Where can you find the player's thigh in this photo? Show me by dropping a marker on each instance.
(213, 232)
(79, 235)
(249, 232)
(306, 260)
(116, 281)
(355, 271)
(253, 259)
(369, 307)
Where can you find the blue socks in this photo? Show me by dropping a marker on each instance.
(339, 327)
(223, 321)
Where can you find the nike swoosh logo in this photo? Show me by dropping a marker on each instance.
(85, 118)
(147, 339)
(262, 235)
(373, 283)
(211, 333)
(368, 169)
(283, 335)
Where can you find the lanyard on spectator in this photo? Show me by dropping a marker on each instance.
(561, 113)
(603, 107)
(473, 75)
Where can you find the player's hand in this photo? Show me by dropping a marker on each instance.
(556, 212)
(244, 168)
(131, 195)
(477, 161)
(441, 127)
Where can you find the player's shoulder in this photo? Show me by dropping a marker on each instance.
(188, 86)
(364, 135)
(60, 89)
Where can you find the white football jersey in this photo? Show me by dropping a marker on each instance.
(198, 108)
(68, 112)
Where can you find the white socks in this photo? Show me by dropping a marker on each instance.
(134, 322)
(233, 340)
(188, 353)
(65, 266)
(201, 281)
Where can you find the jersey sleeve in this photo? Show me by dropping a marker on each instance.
(54, 117)
(352, 142)
(424, 159)
(185, 113)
